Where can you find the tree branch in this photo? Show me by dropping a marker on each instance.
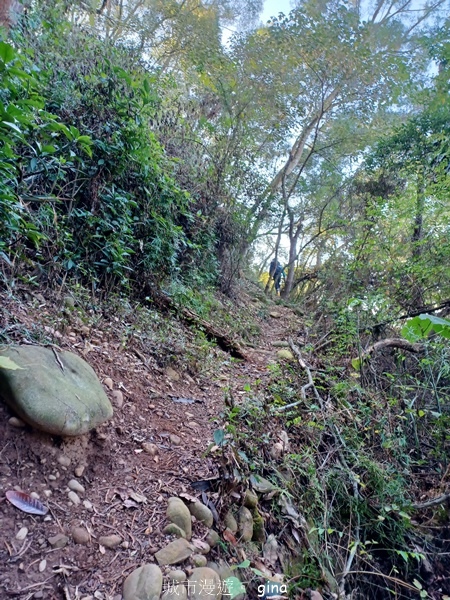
(433, 502)
(392, 343)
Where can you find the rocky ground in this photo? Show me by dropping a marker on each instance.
(107, 491)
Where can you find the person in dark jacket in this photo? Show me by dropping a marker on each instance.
(276, 271)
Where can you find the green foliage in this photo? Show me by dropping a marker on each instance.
(422, 326)
(27, 130)
(234, 587)
(98, 195)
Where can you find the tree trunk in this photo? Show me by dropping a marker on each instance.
(417, 235)
(294, 233)
(10, 11)
(417, 297)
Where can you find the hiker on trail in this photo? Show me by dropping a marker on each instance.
(276, 271)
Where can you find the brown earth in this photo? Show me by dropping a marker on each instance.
(169, 400)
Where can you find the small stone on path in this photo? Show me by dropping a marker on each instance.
(58, 541)
(173, 529)
(22, 533)
(213, 538)
(149, 448)
(74, 498)
(199, 560)
(172, 374)
(250, 499)
(202, 513)
(230, 522)
(177, 512)
(175, 552)
(205, 583)
(15, 422)
(177, 575)
(110, 541)
(245, 524)
(76, 486)
(144, 583)
(285, 354)
(80, 535)
(117, 397)
(64, 460)
(108, 382)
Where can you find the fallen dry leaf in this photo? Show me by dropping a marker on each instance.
(137, 497)
(229, 537)
(26, 503)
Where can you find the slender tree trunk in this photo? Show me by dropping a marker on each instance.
(417, 298)
(294, 234)
(417, 235)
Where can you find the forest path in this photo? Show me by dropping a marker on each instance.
(152, 449)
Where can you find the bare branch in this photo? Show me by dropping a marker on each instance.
(392, 343)
(433, 502)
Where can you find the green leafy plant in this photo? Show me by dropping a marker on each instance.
(422, 326)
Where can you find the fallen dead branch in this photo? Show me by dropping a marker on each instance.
(307, 386)
(433, 502)
(390, 343)
(165, 303)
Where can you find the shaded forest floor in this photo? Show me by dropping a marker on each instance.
(167, 384)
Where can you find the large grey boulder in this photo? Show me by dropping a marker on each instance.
(56, 392)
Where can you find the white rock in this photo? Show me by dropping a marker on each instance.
(76, 486)
(64, 460)
(22, 533)
(109, 383)
(74, 498)
(117, 397)
(42, 565)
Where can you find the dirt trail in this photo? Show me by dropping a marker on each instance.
(126, 487)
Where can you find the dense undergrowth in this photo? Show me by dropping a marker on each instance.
(368, 450)
(88, 193)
